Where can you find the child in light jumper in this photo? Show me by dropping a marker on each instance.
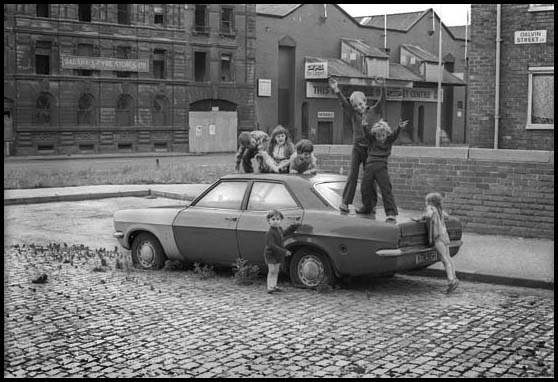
(275, 251)
(439, 235)
(303, 161)
(362, 116)
(280, 150)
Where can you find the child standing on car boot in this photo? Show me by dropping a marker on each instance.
(381, 138)
(439, 235)
(275, 251)
(362, 116)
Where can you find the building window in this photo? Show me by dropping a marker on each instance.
(159, 14)
(84, 12)
(123, 14)
(200, 19)
(42, 10)
(42, 57)
(86, 110)
(44, 110)
(227, 18)
(85, 50)
(541, 7)
(160, 111)
(540, 107)
(123, 52)
(124, 111)
(226, 60)
(200, 63)
(159, 63)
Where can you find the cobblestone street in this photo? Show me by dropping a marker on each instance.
(90, 320)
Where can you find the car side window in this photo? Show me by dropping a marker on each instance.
(266, 196)
(227, 195)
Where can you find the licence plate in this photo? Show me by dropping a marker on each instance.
(426, 257)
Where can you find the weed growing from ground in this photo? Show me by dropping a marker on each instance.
(245, 274)
(204, 271)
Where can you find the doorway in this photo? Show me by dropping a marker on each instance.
(325, 132)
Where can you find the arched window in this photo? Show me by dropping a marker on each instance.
(160, 111)
(125, 110)
(86, 110)
(44, 109)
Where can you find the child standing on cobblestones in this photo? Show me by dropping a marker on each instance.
(439, 235)
(275, 251)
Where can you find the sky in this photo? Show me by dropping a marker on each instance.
(451, 14)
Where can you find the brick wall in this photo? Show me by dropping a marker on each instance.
(504, 192)
(515, 60)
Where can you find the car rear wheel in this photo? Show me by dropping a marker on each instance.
(309, 269)
(147, 252)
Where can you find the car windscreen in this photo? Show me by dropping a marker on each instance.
(332, 192)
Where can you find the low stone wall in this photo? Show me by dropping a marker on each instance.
(507, 192)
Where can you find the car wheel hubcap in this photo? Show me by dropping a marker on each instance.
(146, 255)
(311, 271)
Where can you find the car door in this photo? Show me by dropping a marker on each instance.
(206, 230)
(252, 226)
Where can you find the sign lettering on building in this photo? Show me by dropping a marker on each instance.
(316, 89)
(315, 70)
(530, 37)
(264, 87)
(326, 114)
(105, 63)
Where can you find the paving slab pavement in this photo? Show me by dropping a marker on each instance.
(488, 258)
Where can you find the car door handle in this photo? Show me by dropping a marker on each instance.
(232, 219)
(296, 218)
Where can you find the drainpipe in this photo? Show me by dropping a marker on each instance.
(497, 90)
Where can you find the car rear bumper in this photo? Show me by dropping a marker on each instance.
(413, 250)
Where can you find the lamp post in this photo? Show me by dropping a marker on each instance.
(439, 100)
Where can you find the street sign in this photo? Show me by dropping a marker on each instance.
(530, 37)
(315, 70)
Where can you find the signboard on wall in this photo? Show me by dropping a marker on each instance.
(264, 87)
(326, 115)
(315, 89)
(530, 37)
(104, 63)
(315, 70)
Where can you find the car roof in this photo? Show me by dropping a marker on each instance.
(291, 178)
(302, 185)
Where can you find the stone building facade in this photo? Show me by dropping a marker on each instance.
(101, 78)
(526, 88)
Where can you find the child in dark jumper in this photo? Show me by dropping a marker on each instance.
(381, 138)
(275, 251)
(250, 143)
(303, 161)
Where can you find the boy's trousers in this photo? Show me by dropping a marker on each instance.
(358, 157)
(377, 172)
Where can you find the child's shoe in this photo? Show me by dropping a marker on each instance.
(277, 289)
(452, 286)
(344, 207)
(363, 211)
(270, 291)
(391, 219)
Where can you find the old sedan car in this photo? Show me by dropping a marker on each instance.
(228, 221)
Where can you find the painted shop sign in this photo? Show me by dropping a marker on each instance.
(530, 37)
(105, 63)
(315, 70)
(322, 90)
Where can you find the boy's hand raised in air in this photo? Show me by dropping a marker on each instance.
(333, 84)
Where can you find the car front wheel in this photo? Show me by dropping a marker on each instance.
(147, 252)
(309, 269)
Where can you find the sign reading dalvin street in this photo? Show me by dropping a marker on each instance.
(105, 63)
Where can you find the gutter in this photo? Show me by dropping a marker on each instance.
(497, 85)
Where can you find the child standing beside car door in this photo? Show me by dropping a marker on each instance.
(275, 251)
(439, 235)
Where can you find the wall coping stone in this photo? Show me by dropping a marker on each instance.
(505, 155)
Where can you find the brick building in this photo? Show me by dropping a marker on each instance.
(127, 77)
(524, 118)
(293, 35)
